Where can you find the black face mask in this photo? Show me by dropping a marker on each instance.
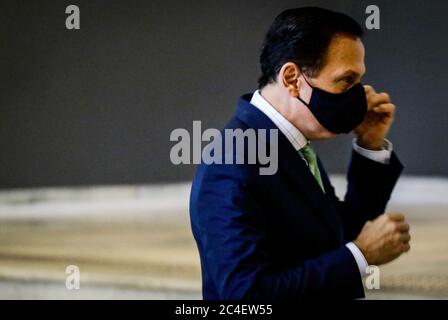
(341, 112)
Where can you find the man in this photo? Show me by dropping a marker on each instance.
(287, 235)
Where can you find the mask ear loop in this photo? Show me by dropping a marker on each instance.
(303, 75)
(306, 80)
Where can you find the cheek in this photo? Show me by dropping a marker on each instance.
(305, 93)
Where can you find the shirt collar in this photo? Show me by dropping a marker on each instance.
(297, 139)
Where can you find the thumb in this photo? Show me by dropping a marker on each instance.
(396, 216)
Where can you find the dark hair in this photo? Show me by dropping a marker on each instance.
(302, 36)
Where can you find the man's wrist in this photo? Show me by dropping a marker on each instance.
(376, 145)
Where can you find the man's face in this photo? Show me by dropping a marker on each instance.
(343, 69)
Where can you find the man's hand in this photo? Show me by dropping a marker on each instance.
(380, 114)
(384, 239)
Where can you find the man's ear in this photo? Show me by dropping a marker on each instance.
(290, 78)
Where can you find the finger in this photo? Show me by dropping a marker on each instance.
(404, 237)
(395, 216)
(367, 224)
(369, 90)
(402, 248)
(385, 108)
(369, 95)
(405, 247)
(402, 226)
(379, 98)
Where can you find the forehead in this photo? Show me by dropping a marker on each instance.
(344, 53)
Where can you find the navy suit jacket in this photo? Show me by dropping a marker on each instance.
(280, 236)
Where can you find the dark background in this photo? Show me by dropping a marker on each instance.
(97, 105)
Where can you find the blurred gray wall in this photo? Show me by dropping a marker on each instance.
(97, 105)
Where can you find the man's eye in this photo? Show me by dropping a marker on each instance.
(347, 79)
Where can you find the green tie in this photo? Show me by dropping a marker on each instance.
(310, 158)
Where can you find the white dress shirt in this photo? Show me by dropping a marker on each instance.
(298, 140)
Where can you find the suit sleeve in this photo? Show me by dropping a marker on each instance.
(233, 238)
(370, 185)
